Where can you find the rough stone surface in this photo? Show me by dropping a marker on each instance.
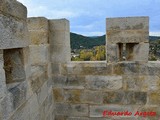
(72, 110)
(38, 77)
(13, 8)
(104, 82)
(14, 33)
(141, 52)
(38, 30)
(121, 97)
(37, 24)
(59, 25)
(38, 37)
(39, 54)
(112, 53)
(128, 23)
(60, 41)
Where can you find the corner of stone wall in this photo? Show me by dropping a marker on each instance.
(14, 57)
(40, 81)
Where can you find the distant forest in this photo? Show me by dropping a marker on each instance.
(80, 41)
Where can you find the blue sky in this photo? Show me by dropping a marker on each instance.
(88, 17)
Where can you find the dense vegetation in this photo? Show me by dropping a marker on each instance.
(80, 41)
(154, 49)
(97, 53)
(93, 48)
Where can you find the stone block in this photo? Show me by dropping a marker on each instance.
(39, 54)
(103, 82)
(141, 52)
(92, 97)
(58, 80)
(33, 107)
(59, 25)
(18, 93)
(14, 33)
(22, 113)
(26, 62)
(134, 83)
(13, 8)
(42, 112)
(118, 68)
(152, 68)
(90, 68)
(38, 77)
(49, 104)
(42, 93)
(58, 94)
(112, 53)
(69, 82)
(6, 105)
(127, 36)
(71, 110)
(74, 82)
(141, 83)
(128, 23)
(60, 38)
(56, 68)
(123, 97)
(37, 24)
(113, 97)
(73, 96)
(83, 96)
(49, 116)
(26, 56)
(131, 68)
(154, 98)
(38, 37)
(61, 52)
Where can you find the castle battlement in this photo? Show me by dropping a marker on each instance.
(38, 80)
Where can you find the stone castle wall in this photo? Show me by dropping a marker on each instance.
(25, 67)
(38, 80)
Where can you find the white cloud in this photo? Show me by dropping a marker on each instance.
(90, 26)
(94, 33)
(37, 9)
(154, 33)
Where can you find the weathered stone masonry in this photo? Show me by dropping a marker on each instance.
(39, 82)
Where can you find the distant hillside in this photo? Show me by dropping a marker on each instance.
(153, 38)
(80, 41)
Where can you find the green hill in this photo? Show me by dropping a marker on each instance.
(152, 38)
(80, 41)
